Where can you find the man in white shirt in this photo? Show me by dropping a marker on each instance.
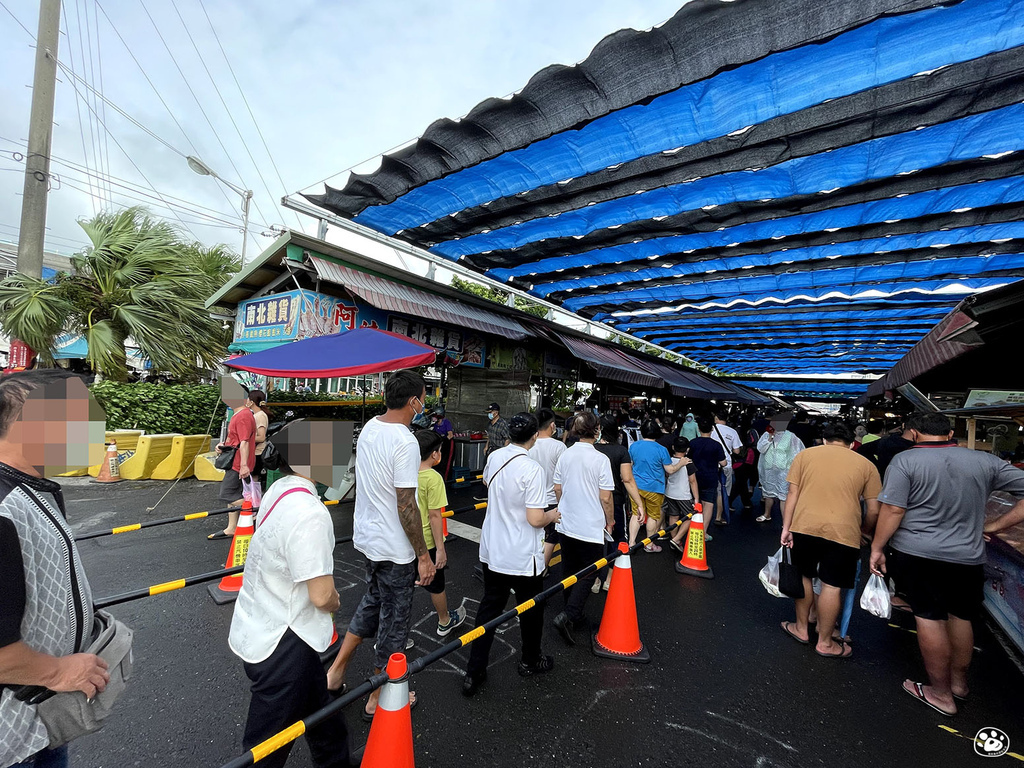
(512, 550)
(545, 452)
(387, 529)
(729, 439)
(583, 486)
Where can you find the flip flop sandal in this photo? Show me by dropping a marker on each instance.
(368, 718)
(218, 536)
(762, 519)
(918, 693)
(841, 655)
(961, 698)
(785, 628)
(339, 692)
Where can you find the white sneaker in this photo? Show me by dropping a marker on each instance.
(408, 644)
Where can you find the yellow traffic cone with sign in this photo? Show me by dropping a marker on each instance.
(695, 557)
(228, 588)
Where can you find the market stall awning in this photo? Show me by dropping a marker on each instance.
(768, 187)
(352, 353)
(395, 297)
(683, 383)
(611, 364)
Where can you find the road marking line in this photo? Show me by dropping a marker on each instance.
(464, 531)
(955, 732)
(746, 727)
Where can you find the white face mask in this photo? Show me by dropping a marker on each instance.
(598, 438)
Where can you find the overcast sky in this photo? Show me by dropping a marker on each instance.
(331, 85)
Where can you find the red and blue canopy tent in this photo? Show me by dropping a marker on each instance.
(350, 353)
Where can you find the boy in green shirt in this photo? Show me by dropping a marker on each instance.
(432, 498)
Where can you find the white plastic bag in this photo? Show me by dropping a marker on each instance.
(770, 574)
(877, 597)
(252, 492)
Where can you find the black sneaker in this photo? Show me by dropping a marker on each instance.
(564, 627)
(470, 683)
(546, 664)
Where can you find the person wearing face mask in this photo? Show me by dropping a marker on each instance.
(689, 429)
(583, 486)
(497, 430)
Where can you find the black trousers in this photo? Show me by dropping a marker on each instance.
(744, 482)
(531, 624)
(576, 555)
(287, 687)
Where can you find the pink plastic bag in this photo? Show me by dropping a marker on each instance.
(252, 492)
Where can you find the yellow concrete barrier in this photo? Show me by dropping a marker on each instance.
(152, 449)
(205, 470)
(180, 463)
(127, 443)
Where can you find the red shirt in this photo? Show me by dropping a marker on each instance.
(242, 428)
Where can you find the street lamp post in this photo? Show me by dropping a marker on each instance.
(203, 169)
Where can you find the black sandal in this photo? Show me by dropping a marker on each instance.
(219, 535)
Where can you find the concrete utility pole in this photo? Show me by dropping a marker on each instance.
(40, 131)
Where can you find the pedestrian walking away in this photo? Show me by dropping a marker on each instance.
(497, 430)
(778, 448)
(933, 519)
(625, 492)
(709, 457)
(512, 550)
(242, 440)
(823, 526)
(46, 614)
(681, 491)
(432, 499)
(651, 465)
(282, 618)
(583, 486)
(546, 452)
(388, 530)
(731, 443)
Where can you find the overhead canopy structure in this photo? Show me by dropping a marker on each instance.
(767, 186)
(351, 353)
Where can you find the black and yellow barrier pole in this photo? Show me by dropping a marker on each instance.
(293, 731)
(471, 508)
(168, 521)
(167, 586)
(464, 480)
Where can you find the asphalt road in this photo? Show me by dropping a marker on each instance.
(725, 687)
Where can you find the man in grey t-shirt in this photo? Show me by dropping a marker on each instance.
(933, 516)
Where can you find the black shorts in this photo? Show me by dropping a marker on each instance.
(937, 589)
(834, 563)
(436, 587)
(709, 494)
(551, 536)
(678, 507)
(230, 486)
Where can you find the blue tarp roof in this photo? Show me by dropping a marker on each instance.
(762, 195)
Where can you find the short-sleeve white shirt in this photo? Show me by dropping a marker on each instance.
(387, 457)
(730, 439)
(508, 543)
(583, 472)
(295, 543)
(546, 452)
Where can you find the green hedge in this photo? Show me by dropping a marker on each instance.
(161, 408)
(187, 409)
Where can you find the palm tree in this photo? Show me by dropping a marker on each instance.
(138, 280)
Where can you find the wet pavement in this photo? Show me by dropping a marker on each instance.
(725, 687)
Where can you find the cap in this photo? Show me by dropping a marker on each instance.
(493, 407)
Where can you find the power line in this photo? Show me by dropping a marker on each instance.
(196, 98)
(156, 90)
(245, 101)
(11, 14)
(227, 109)
(78, 105)
(99, 67)
(134, 164)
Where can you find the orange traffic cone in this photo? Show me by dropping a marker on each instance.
(110, 467)
(229, 586)
(329, 653)
(619, 634)
(695, 559)
(390, 741)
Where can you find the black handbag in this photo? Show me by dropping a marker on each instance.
(226, 457)
(791, 584)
